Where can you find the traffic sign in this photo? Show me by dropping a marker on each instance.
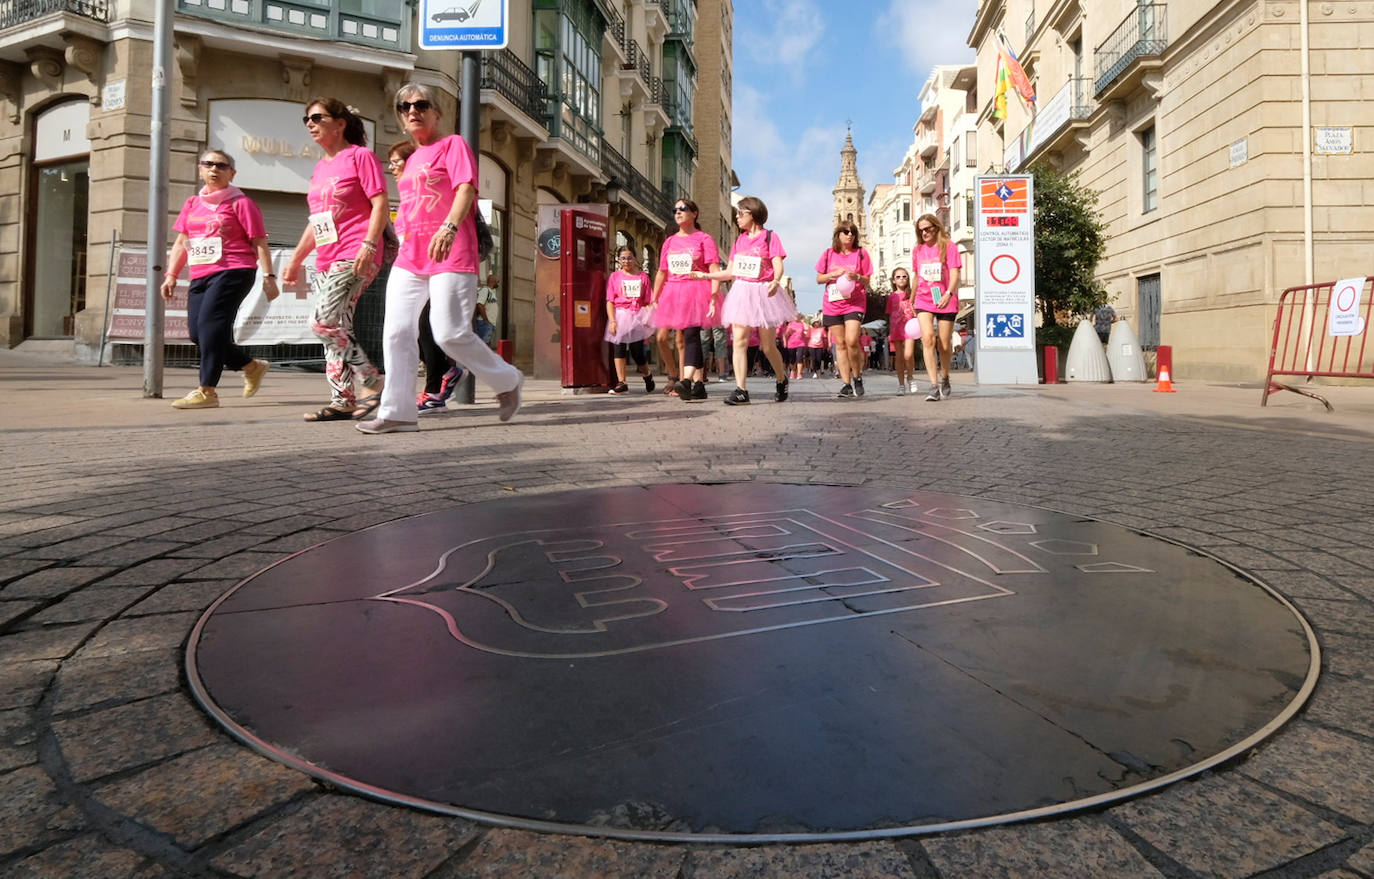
(464, 24)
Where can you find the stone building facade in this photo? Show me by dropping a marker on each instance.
(590, 102)
(1188, 119)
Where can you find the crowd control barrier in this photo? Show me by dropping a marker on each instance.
(1321, 330)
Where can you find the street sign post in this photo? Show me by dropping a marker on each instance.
(464, 24)
(1004, 245)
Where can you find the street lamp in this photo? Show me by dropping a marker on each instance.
(613, 192)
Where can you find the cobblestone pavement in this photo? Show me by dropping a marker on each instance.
(121, 520)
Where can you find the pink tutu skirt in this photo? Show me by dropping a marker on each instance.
(749, 305)
(631, 325)
(684, 304)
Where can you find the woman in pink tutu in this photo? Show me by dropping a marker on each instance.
(900, 311)
(685, 302)
(627, 319)
(757, 300)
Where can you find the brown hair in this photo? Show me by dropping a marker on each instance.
(941, 236)
(756, 208)
(353, 132)
(844, 226)
(691, 206)
(401, 149)
(892, 279)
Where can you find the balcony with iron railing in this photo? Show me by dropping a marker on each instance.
(303, 19)
(1030, 26)
(1143, 35)
(637, 59)
(16, 12)
(617, 35)
(636, 185)
(505, 74)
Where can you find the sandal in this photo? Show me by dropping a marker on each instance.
(366, 406)
(329, 413)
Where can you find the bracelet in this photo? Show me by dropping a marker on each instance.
(170, 274)
(271, 277)
(369, 245)
(450, 227)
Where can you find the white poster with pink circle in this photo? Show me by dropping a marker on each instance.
(1345, 318)
(1005, 249)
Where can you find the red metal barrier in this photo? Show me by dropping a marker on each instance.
(1051, 365)
(505, 349)
(1303, 344)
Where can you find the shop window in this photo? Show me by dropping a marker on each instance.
(58, 219)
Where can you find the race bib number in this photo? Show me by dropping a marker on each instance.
(680, 263)
(932, 271)
(748, 267)
(631, 289)
(204, 251)
(322, 225)
(834, 295)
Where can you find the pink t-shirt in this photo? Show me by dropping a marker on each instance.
(677, 249)
(755, 337)
(763, 246)
(928, 269)
(796, 335)
(432, 176)
(343, 188)
(226, 229)
(619, 294)
(854, 261)
(815, 337)
(899, 306)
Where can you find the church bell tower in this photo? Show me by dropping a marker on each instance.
(849, 192)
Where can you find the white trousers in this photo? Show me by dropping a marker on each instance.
(452, 298)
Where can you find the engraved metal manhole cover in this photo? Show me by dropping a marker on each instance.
(750, 662)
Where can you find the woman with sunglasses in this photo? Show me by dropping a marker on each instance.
(900, 310)
(349, 211)
(627, 319)
(846, 270)
(936, 262)
(757, 301)
(437, 264)
(221, 234)
(682, 303)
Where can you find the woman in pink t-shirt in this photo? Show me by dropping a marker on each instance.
(817, 348)
(685, 305)
(846, 270)
(936, 262)
(437, 264)
(757, 301)
(627, 318)
(221, 234)
(900, 310)
(794, 343)
(348, 213)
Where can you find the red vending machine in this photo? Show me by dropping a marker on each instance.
(582, 300)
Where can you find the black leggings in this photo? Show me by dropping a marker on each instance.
(625, 350)
(691, 348)
(435, 360)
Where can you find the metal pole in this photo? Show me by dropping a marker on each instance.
(159, 143)
(469, 124)
(109, 286)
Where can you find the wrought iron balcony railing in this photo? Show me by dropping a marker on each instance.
(635, 184)
(511, 78)
(1143, 34)
(14, 12)
(298, 18)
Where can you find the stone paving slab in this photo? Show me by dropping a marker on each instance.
(175, 507)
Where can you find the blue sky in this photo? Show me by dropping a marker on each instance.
(802, 67)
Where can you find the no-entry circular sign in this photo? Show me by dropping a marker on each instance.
(1004, 264)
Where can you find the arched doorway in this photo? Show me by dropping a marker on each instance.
(57, 221)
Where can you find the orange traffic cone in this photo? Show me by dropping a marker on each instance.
(1164, 386)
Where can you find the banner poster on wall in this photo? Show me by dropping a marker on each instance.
(548, 316)
(283, 321)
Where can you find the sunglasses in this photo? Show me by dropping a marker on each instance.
(417, 106)
(316, 118)
(218, 166)
(396, 163)
(679, 208)
(925, 228)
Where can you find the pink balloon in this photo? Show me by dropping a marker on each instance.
(913, 328)
(844, 285)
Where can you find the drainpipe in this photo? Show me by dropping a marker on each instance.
(1306, 147)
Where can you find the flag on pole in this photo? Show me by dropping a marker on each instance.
(1015, 71)
(999, 101)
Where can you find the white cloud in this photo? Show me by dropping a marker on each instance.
(928, 32)
(794, 29)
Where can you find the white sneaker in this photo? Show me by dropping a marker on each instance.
(901, 390)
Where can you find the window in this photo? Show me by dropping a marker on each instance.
(1149, 163)
(906, 211)
(567, 49)
(1148, 305)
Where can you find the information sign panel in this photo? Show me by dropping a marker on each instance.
(1005, 249)
(464, 24)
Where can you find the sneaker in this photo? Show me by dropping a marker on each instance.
(780, 392)
(858, 386)
(648, 384)
(846, 391)
(934, 395)
(449, 383)
(683, 390)
(253, 371)
(382, 425)
(901, 389)
(738, 397)
(197, 399)
(619, 389)
(431, 404)
(509, 401)
(698, 393)
(944, 388)
(911, 387)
